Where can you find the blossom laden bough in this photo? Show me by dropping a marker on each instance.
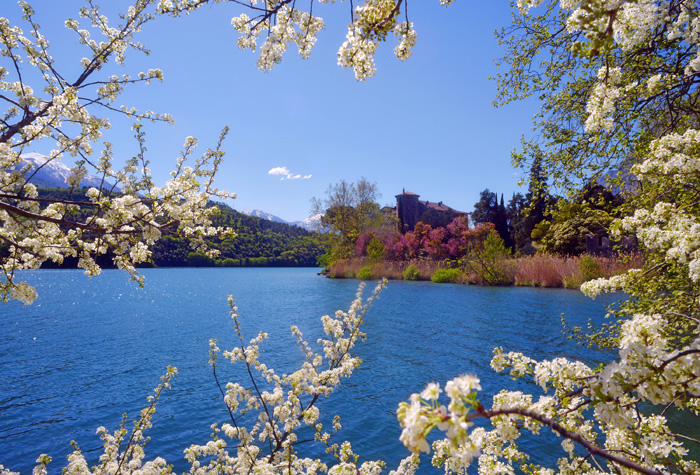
(127, 213)
(284, 22)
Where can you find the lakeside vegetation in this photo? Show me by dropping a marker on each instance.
(540, 270)
(258, 243)
(537, 239)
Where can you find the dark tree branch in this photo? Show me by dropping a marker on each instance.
(592, 449)
(674, 358)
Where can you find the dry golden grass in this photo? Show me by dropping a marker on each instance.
(348, 268)
(541, 270)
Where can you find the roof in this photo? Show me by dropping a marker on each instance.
(440, 207)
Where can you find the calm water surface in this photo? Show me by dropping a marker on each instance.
(89, 350)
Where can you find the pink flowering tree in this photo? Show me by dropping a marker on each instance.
(434, 244)
(416, 240)
(457, 237)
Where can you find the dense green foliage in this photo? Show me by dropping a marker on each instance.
(442, 276)
(411, 273)
(365, 273)
(489, 261)
(591, 212)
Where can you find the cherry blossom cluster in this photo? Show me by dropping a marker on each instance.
(291, 26)
(424, 413)
(284, 23)
(626, 25)
(123, 450)
(286, 403)
(128, 212)
(597, 408)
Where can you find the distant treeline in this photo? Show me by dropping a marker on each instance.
(258, 242)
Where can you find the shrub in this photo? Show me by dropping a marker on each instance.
(491, 263)
(411, 273)
(588, 268)
(365, 273)
(375, 250)
(442, 276)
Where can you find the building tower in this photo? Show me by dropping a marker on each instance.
(408, 210)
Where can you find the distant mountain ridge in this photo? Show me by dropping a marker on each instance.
(54, 173)
(263, 214)
(311, 224)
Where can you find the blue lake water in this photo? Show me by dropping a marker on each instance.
(89, 350)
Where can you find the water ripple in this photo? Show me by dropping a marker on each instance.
(91, 349)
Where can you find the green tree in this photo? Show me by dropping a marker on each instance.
(348, 210)
(538, 200)
(517, 212)
(486, 209)
(566, 232)
(590, 213)
(490, 260)
(501, 224)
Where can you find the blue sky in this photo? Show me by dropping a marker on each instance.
(426, 125)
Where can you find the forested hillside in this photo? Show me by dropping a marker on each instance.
(258, 242)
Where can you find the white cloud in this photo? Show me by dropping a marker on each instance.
(286, 174)
(279, 171)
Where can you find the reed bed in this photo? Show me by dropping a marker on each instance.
(545, 270)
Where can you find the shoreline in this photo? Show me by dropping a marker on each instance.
(540, 270)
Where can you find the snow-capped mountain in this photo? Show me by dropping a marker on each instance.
(55, 172)
(264, 215)
(310, 224)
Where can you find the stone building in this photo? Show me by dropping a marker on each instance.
(410, 210)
